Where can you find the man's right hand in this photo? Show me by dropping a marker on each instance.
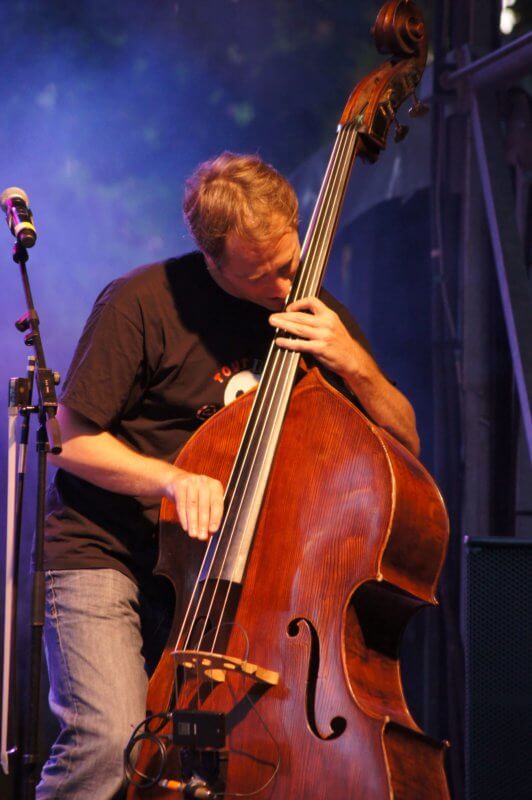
(199, 501)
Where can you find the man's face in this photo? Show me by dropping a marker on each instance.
(261, 272)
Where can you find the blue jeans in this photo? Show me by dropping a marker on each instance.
(97, 664)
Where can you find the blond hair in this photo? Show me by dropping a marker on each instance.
(240, 194)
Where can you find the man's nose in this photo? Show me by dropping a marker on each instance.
(281, 287)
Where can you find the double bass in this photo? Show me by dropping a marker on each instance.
(281, 677)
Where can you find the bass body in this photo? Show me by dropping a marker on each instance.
(350, 543)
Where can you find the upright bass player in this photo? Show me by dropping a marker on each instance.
(164, 347)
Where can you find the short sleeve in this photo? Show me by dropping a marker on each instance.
(107, 363)
(350, 323)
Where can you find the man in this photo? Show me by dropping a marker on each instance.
(164, 347)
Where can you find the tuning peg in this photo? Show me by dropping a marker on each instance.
(400, 130)
(418, 109)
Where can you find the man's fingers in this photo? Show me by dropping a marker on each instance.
(217, 506)
(300, 345)
(180, 499)
(287, 320)
(192, 508)
(302, 329)
(203, 507)
(199, 504)
(307, 304)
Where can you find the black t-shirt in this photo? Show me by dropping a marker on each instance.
(164, 348)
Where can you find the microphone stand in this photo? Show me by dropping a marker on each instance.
(48, 439)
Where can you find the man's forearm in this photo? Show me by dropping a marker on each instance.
(96, 456)
(385, 404)
(106, 462)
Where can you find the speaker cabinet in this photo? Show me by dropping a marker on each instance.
(497, 635)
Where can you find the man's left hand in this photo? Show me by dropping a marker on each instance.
(318, 331)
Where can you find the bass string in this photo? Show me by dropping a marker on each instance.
(279, 354)
(339, 161)
(213, 544)
(209, 557)
(227, 534)
(320, 234)
(327, 216)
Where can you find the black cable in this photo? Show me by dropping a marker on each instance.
(142, 781)
(133, 775)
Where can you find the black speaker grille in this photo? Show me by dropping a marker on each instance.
(498, 646)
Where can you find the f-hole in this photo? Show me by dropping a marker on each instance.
(337, 724)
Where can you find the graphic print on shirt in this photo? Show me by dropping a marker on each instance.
(237, 378)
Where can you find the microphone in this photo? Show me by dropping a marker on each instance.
(15, 203)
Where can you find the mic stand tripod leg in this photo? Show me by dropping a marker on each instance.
(31, 742)
(20, 391)
(9, 593)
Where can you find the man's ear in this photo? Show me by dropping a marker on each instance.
(211, 264)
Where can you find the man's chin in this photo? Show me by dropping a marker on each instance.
(273, 305)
